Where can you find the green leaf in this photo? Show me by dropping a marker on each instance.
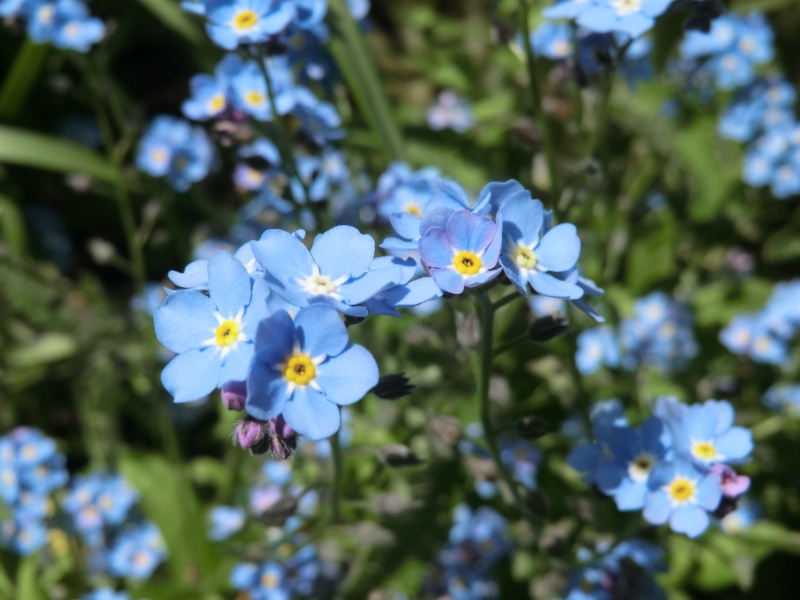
(651, 258)
(22, 147)
(173, 16)
(172, 504)
(21, 77)
(50, 347)
(28, 579)
(12, 225)
(353, 58)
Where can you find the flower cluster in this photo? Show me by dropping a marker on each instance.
(591, 53)
(31, 468)
(302, 574)
(783, 397)
(659, 334)
(103, 512)
(625, 571)
(64, 23)
(764, 336)
(674, 467)
(172, 148)
(506, 231)
(629, 17)
(478, 539)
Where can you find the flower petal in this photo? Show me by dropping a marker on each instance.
(185, 321)
(311, 414)
(435, 249)
(348, 377)
(266, 392)
(560, 248)
(320, 331)
(470, 232)
(283, 256)
(192, 375)
(522, 220)
(448, 280)
(688, 519)
(228, 284)
(343, 250)
(547, 285)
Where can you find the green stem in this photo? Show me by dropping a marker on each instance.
(508, 298)
(284, 141)
(768, 427)
(499, 349)
(336, 476)
(545, 130)
(486, 315)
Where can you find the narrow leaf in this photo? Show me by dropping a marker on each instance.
(21, 77)
(22, 147)
(173, 16)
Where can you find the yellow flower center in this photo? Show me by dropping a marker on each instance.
(681, 489)
(158, 155)
(106, 502)
(45, 13)
(254, 98)
(268, 580)
(413, 208)
(245, 19)
(227, 333)
(217, 103)
(72, 30)
(467, 263)
(704, 450)
(762, 344)
(626, 6)
(28, 451)
(299, 369)
(524, 257)
(321, 285)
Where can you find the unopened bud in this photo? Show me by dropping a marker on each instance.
(399, 455)
(530, 427)
(283, 441)
(393, 386)
(234, 394)
(252, 435)
(546, 328)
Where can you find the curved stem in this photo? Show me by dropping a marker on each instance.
(486, 315)
(500, 348)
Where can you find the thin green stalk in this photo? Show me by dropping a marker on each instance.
(284, 140)
(508, 298)
(485, 359)
(545, 130)
(605, 99)
(499, 349)
(336, 476)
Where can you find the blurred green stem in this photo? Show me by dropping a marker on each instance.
(545, 129)
(336, 476)
(486, 310)
(284, 141)
(102, 90)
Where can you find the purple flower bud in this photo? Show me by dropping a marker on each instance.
(252, 434)
(733, 485)
(284, 438)
(234, 394)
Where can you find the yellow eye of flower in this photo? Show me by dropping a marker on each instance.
(681, 489)
(227, 333)
(525, 258)
(704, 450)
(158, 155)
(217, 103)
(254, 98)
(413, 208)
(268, 580)
(245, 19)
(467, 263)
(299, 369)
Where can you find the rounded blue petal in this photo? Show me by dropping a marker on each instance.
(348, 377)
(320, 331)
(343, 250)
(311, 414)
(228, 284)
(192, 375)
(185, 321)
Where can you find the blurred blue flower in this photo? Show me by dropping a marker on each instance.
(235, 22)
(137, 552)
(783, 397)
(225, 521)
(683, 495)
(596, 348)
(265, 581)
(450, 111)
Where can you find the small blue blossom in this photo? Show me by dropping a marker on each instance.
(705, 433)
(174, 149)
(137, 552)
(212, 335)
(553, 40)
(105, 594)
(783, 397)
(235, 22)
(225, 521)
(305, 369)
(463, 252)
(631, 17)
(682, 494)
(596, 348)
(266, 581)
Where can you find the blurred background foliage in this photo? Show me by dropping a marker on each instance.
(78, 362)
